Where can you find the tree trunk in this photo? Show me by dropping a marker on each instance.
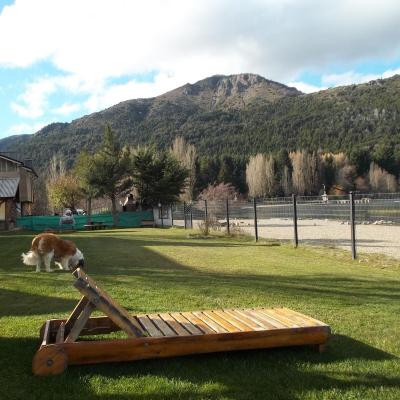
(114, 210)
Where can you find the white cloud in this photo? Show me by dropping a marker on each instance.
(347, 78)
(352, 77)
(342, 79)
(107, 95)
(93, 41)
(390, 72)
(23, 127)
(33, 101)
(306, 87)
(66, 109)
(276, 38)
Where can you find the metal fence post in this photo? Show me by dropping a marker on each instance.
(296, 237)
(255, 218)
(353, 226)
(191, 216)
(205, 211)
(184, 214)
(172, 215)
(227, 217)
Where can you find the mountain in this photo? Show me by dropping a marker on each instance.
(237, 115)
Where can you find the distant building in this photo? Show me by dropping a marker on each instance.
(16, 190)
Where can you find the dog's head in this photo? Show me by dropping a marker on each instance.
(77, 260)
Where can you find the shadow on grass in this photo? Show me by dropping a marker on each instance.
(137, 259)
(23, 303)
(132, 265)
(283, 373)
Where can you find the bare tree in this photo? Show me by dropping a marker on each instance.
(270, 181)
(362, 184)
(390, 183)
(305, 175)
(299, 178)
(56, 168)
(220, 191)
(380, 180)
(256, 175)
(186, 154)
(346, 177)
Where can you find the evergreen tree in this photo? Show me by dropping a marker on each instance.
(110, 170)
(83, 171)
(384, 156)
(328, 171)
(158, 177)
(360, 157)
(209, 168)
(226, 169)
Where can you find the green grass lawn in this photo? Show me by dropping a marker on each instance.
(165, 270)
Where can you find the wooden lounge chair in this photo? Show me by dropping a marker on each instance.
(164, 334)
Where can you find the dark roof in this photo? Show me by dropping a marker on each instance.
(8, 187)
(8, 158)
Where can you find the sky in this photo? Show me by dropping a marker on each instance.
(62, 59)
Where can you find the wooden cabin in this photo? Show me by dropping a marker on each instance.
(16, 190)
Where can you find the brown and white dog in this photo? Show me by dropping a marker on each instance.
(47, 246)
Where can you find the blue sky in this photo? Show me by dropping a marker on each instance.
(66, 58)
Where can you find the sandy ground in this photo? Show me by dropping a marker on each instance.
(384, 239)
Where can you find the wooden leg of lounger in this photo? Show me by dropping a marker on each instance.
(80, 323)
(49, 360)
(75, 314)
(60, 333)
(321, 348)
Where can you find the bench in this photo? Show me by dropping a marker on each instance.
(147, 223)
(95, 225)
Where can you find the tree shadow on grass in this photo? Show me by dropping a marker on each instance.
(131, 265)
(283, 373)
(136, 259)
(260, 374)
(17, 303)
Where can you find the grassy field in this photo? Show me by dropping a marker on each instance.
(165, 270)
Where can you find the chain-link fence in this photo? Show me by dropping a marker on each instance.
(312, 220)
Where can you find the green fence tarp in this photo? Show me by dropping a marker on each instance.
(42, 223)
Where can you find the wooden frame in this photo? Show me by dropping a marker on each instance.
(165, 334)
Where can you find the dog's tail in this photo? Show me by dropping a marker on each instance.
(30, 258)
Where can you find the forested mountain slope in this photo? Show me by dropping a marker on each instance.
(237, 115)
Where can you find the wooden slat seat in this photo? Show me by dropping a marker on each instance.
(167, 334)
